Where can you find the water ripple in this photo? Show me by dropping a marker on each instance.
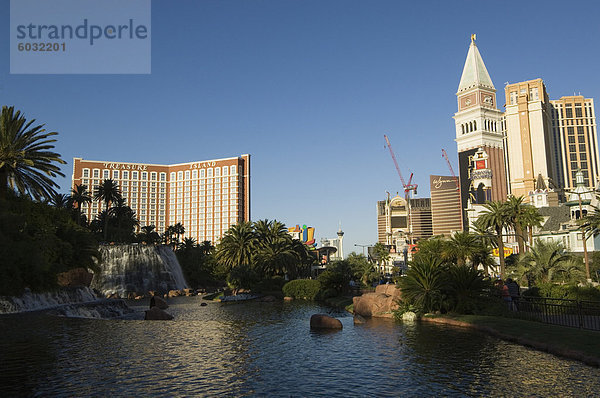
(267, 349)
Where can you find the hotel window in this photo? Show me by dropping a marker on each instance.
(106, 174)
(144, 175)
(209, 172)
(173, 176)
(513, 97)
(534, 94)
(225, 168)
(194, 173)
(153, 176)
(202, 173)
(134, 175)
(86, 173)
(96, 173)
(187, 175)
(232, 170)
(115, 174)
(126, 175)
(163, 176)
(180, 175)
(217, 172)
(568, 111)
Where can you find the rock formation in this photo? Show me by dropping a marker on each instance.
(156, 314)
(378, 304)
(323, 321)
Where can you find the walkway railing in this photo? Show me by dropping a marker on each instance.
(563, 312)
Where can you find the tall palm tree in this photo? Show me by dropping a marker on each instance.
(178, 230)
(236, 246)
(590, 223)
(80, 196)
(188, 244)
(125, 218)
(27, 163)
(516, 211)
(496, 216)
(531, 219)
(107, 192)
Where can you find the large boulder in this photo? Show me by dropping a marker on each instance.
(75, 277)
(158, 302)
(323, 321)
(378, 304)
(156, 314)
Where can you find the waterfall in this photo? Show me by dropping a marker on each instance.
(138, 269)
(40, 301)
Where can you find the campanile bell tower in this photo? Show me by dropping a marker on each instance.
(478, 130)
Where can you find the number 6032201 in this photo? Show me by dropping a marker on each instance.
(41, 47)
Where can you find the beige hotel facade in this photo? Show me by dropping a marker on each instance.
(207, 196)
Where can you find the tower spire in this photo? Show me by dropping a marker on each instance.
(475, 74)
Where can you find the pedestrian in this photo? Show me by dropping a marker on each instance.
(506, 295)
(515, 293)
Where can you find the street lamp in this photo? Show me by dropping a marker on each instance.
(363, 247)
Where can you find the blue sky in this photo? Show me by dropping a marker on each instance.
(308, 88)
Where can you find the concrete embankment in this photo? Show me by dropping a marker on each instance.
(535, 344)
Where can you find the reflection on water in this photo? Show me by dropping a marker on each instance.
(268, 349)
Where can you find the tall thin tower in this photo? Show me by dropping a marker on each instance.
(478, 131)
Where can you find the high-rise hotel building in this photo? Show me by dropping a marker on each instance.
(207, 197)
(574, 126)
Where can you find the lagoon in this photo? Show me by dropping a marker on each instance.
(268, 349)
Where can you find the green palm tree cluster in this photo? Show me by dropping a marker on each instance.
(265, 247)
(499, 218)
(547, 262)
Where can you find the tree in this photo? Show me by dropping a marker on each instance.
(189, 244)
(178, 230)
(543, 263)
(107, 192)
(60, 201)
(278, 258)
(462, 246)
(516, 211)
(80, 196)
(530, 219)
(362, 269)
(27, 163)
(381, 254)
(236, 246)
(126, 220)
(496, 217)
(422, 286)
(148, 235)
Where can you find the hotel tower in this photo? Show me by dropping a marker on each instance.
(207, 197)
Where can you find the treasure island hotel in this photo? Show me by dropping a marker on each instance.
(205, 196)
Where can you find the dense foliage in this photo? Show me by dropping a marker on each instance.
(37, 242)
(302, 289)
(570, 292)
(252, 252)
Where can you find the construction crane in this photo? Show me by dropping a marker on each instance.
(445, 156)
(407, 187)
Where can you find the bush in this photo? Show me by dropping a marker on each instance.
(327, 293)
(242, 277)
(302, 289)
(570, 292)
(465, 289)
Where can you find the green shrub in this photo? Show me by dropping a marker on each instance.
(465, 289)
(422, 286)
(570, 292)
(302, 289)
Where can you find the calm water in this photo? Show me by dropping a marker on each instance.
(267, 349)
